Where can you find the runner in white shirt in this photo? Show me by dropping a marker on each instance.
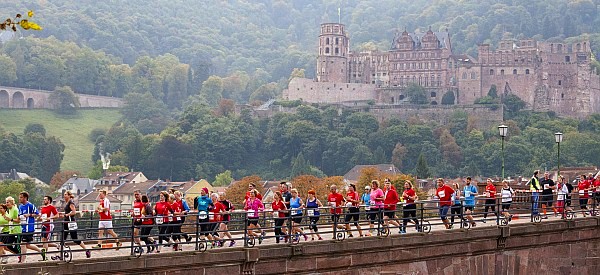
(105, 223)
(507, 195)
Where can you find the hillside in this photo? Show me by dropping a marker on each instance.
(72, 131)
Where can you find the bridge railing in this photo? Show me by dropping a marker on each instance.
(202, 230)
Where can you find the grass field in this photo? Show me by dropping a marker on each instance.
(73, 131)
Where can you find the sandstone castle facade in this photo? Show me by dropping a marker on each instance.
(547, 76)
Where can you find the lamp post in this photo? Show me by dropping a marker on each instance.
(503, 129)
(558, 137)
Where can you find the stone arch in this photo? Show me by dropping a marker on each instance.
(4, 99)
(18, 100)
(434, 102)
(30, 103)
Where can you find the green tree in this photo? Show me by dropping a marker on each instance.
(416, 94)
(223, 179)
(32, 128)
(212, 90)
(422, 170)
(8, 74)
(64, 100)
(448, 98)
(493, 92)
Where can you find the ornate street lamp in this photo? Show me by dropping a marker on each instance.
(558, 137)
(503, 129)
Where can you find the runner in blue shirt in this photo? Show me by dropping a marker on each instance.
(27, 215)
(469, 192)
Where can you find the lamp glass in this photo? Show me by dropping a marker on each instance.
(503, 129)
(558, 137)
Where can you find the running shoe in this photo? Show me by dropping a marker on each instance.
(263, 233)
(44, 254)
(483, 221)
(4, 260)
(350, 236)
(119, 244)
(175, 247)
(98, 246)
(260, 238)
(305, 238)
(402, 232)
(188, 238)
(88, 254)
(19, 259)
(320, 239)
(232, 243)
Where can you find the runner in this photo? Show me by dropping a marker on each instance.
(582, 189)
(226, 217)
(353, 204)
(175, 222)
(296, 206)
(410, 208)
(365, 199)
(561, 197)
(596, 185)
(162, 210)
(279, 211)
(470, 191)
(47, 216)
(456, 209)
(252, 186)
(253, 206)
(215, 218)
(490, 201)
(185, 209)
(336, 202)
(70, 227)
(547, 196)
(146, 226)
(444, 194)
(507, 194)
(535, 188)
(105, 223)
(15, 230)
(204, 204)
(138, 205)
(376, 201)
(287, 196)
(27, 214)
(312, 211)
(389, 204)
(5, 236)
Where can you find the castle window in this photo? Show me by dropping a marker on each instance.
(515, 71)
(491, 72)
(337, 41)
(501, 72)
(326, 50)
(433, 94)
(560, 82)
(526, 71)
(464, 75)
(567, 58)
(337, 50)
(327, 41)
(473, 76)
(562, 95)
(401, 97)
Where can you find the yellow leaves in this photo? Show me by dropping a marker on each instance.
(25, 24)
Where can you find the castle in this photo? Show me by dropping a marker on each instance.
(547, 76)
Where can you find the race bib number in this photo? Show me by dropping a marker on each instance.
(581, 192)
(348, 204)
(211, 215)
(467, 193)
(275, 214)
(251, 214)
(136, 211)
(442, 194)
(332, 203)
(178, 218)
(203, 215)
(44, 217)
(159, 220)
(367, 207)
(170, 218)
(72, 226)
(310, 212)
(560, 197)
(22, 219)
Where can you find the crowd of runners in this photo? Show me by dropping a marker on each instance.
(292, 216)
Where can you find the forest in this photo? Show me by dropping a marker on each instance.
(182, 66)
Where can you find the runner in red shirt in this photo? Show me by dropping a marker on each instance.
(596, 185)
(47, 215)
(389, 203)
(105, 224)
(137, 216)
(444, 193)
(582, 189)
(146, 226)
(410, 208)
(215, 218)
(251, 187)
(353, 203)
(163, 209)
(336, 202)
(279, 208)
(490, 199)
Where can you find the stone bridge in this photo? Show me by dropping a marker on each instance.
(21, 98)
(553, 247)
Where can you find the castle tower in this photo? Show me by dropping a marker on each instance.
(332, 62)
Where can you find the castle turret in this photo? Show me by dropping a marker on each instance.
(332, 63)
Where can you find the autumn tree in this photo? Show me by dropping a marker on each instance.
(226, 107)
(61, 177)
(398, 155)
(450, 150)
(237, 191)
(320, 185)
